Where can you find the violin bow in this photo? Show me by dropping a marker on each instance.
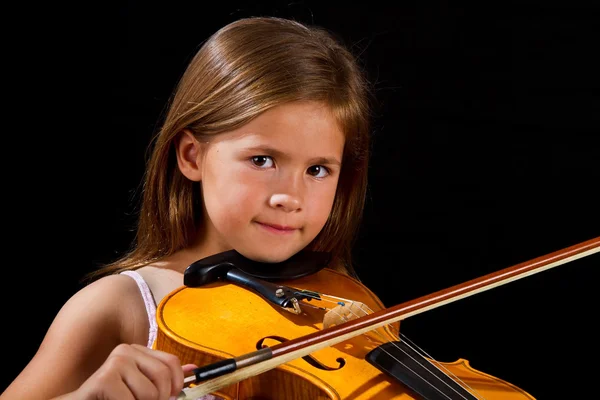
(232, 370)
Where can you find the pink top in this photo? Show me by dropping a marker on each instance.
(151, 311)
(149, 302)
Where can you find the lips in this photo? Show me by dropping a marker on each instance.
(276, 227)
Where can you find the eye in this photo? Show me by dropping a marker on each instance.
(318, 171)
(262, 161)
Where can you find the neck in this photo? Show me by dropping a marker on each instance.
(181, 259)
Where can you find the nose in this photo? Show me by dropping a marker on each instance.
(285, 202)
(288, 191)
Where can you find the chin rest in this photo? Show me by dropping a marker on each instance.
(211, 268)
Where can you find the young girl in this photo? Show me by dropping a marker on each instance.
(264, 150)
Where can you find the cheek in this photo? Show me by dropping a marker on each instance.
(233, 198)
(320, 204)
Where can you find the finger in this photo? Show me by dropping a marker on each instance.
(159, 374)
(188, 369)
(175, 372)
(107, 383)
(123, 368)
(143, 386)
(146, 375)
(120, 390)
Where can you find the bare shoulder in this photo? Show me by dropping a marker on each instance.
(87, 328)
(108, 302)
(118, 284)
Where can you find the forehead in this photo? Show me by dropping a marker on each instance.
(306, 127)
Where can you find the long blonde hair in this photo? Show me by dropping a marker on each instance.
(244, 69)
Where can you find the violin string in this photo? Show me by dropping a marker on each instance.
(427, 357)
(400, 362)
(342, 302)
(415, 360)
(439, 366)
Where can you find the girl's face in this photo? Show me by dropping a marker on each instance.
(268, 187)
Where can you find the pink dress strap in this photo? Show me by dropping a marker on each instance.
(149, 302)
(151, 311)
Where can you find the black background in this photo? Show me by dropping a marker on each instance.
(485, 155)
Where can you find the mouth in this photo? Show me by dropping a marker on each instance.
(280, 229)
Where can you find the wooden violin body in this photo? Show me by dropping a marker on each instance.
(203, 325)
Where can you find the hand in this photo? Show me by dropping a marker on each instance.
(135, 372)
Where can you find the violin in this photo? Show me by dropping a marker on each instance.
(288, 339)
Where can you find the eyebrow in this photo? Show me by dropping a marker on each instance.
(269, 151)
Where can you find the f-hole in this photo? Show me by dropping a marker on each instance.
(308, 358)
